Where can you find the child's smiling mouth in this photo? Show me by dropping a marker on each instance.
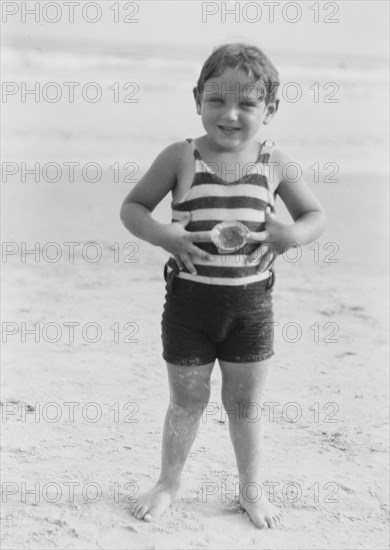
(228, 129)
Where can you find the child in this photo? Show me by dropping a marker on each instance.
(219, 305)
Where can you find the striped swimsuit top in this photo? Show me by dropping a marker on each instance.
(211, 201)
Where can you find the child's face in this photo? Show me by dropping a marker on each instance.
(233, 108)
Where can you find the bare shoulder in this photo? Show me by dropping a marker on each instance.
(290, 185)
(285, 169)
(277, 155)
(161, 177)
(175, 152)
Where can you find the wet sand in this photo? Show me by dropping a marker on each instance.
(325, 443)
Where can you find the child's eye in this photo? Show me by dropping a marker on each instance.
(248, 104)
(215, 100)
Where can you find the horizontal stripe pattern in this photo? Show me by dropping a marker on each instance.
(226, 281)
(249, 169)
(209, 177)
(214, 202)
(226, 202)
(227, 214)
(217, 190)
(223, 265)
(211, 201)
(207, 225)
(210, 248)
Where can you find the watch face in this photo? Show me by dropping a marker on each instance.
(229, 237)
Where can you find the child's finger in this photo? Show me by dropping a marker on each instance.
(188, 263)
(269, 215)
(266, 261)
(257, 254)
(200, 236)
(257, 236)
(260, 256)
(199, 253)
(179, 262)
(185, 218)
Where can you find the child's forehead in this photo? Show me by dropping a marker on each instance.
(233, 79)
(235, 75)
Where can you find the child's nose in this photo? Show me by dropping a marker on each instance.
(231, 114)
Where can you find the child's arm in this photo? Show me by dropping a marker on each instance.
(306, 211)
(141, 201)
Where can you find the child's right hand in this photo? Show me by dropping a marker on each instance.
(179, 242)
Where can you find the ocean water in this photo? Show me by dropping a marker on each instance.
(339, 137)
(333, 108)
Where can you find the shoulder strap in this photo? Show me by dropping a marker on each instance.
(265, 153)
(266, 150)
(195, 150)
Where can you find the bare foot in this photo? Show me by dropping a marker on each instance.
(150, 505)
(262, 513)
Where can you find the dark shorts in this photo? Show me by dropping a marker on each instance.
(201, 323)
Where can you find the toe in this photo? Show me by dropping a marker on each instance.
(271, 523)
(148, 517)
(263, 525)
(260, 523)
(144, 509)
(138, 510)
(133, 507)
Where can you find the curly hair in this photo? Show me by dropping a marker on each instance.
(242, 56)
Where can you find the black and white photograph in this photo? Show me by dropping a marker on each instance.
(195, 274)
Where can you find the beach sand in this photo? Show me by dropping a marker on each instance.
(329, 465)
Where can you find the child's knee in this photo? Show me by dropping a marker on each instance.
(235, 393)
(233, 401)
(243, 409)
(193, 405)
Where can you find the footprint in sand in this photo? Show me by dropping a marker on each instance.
(345, 354)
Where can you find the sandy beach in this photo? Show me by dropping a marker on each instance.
(84, 396)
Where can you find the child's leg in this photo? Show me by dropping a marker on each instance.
(243, 384)
(189, 391)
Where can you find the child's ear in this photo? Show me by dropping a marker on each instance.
(271, 111)
(197, 97)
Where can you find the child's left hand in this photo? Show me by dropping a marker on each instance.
(274, 241)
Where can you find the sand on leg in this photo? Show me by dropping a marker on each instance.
(189, 394)
(242, 387)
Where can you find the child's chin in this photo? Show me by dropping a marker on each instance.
(229, 140)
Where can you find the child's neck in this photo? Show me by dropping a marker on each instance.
(248, 152)
(229, 165)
